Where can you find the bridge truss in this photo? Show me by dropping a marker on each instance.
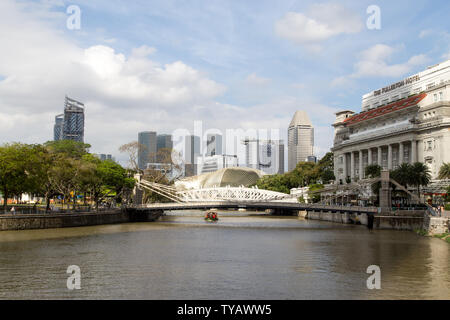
(213, 194)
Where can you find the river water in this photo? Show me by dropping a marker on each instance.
(239, 257)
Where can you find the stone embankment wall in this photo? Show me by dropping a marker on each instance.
(64, 220)
(436, 225)
(393, 222)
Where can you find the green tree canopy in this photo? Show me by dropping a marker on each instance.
(444, 171)
(70, 148)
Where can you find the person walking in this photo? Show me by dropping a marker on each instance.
(13, 210)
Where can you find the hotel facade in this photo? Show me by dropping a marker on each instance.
(405, 122)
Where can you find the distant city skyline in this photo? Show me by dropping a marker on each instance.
(265, 155)
(228, 64)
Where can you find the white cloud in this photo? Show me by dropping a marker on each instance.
(374, 62)
(320, 23)
(123, 93)
(253, 79)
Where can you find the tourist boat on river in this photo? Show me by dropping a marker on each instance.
(211, 216)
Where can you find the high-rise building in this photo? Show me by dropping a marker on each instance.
(300, 139)
(70, 125)
(213, 144)
(191, 153)
(164, 141)
(73, 127)
(104, 157)
(58, 127)
(265, 155)
(147, 148)
(217, 162)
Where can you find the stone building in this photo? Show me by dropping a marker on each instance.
(408, 121)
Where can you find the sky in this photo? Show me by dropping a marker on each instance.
(170, 66)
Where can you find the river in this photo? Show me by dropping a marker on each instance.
(240, 257)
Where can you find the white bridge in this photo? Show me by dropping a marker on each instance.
(241, 194)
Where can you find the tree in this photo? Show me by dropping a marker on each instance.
(71, 148)
(44, 160)
(373, 171)
(403, 174)
(444, 171)
(277, 182)
(420, 176)
(15, 170)
(132, 150)
(64, 175)
(103, 178)
(315, 196)
(304, 174)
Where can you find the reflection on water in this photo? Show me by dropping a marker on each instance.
(239, 257)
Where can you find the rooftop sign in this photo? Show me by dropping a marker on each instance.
(397, 85)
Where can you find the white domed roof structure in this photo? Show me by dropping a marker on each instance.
(227, 177)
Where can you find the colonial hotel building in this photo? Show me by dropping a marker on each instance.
(407, 121)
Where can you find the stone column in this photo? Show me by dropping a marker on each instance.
(369, 157)
(345, 167)
(379, 156)
(360, 168)
(389, 157)
(385, 192)
(352, 165)
(413, 151)
(400, 153)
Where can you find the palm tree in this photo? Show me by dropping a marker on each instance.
(373, 171)
(403, 174)
(444, 171)
(420, 176)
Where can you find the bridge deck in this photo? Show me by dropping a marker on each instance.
(255, 205)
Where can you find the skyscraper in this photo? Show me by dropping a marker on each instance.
(58, 127)
(164, 141)
(70, 125)
(147, 148)
(265, 155)
(300, 139)
(73, 127)
(213, 144)
(191, 153)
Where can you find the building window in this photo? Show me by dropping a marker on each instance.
(441, 96)
(435, 97)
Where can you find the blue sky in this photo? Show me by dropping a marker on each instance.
(230, 64)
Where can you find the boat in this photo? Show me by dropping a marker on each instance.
(211, 216)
